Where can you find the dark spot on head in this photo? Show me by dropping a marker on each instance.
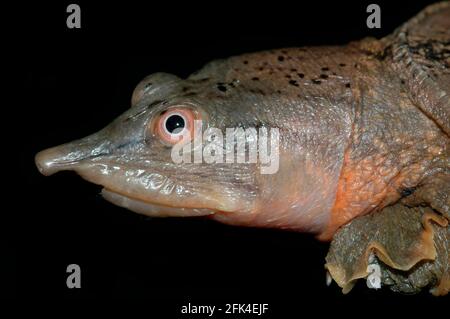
(325, 69)
(288, 76)
(281, 58)
(245, 62)
(257, 91)
(149, 84)
(342, 64)
(278, 91)
(221, 87)
(261, 68)
(293, 82)
(347, 85)
(255, 78)
(301, 75)
(324, 76)
(293, 70)
(315, 81)
(402, 81)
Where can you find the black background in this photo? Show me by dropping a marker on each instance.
(74, 82)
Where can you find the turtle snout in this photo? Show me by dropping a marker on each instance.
(69, 155)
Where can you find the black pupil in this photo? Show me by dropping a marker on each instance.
(174, 124)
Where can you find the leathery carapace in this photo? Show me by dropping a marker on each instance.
(364, 150)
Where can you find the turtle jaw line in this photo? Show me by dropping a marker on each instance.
(151, 208)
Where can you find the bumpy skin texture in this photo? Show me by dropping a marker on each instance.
(418, 258)
(362, 127)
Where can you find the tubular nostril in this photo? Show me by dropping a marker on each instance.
(45, 161)
(70, 156)
(53, 160)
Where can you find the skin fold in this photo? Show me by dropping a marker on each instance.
(362, 127)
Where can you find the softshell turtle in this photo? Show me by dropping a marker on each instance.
(363, 154)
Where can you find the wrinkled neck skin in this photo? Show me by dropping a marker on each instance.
(315, 117)
(301, 195)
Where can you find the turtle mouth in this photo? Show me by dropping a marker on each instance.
(152, 209)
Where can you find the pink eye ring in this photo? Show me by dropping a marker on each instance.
(175, 124)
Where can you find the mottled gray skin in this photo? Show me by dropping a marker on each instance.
(361, 126)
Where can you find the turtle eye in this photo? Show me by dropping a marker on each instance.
(175, 124)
